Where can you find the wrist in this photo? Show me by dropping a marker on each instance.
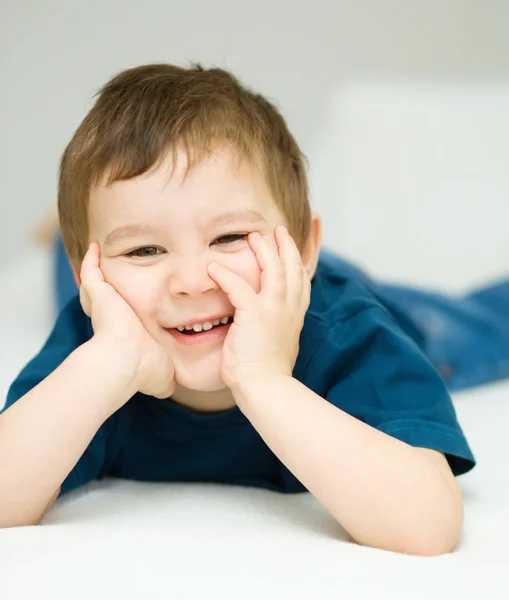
(119, 360)
(251, 389)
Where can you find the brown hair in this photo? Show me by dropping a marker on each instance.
(145, 112)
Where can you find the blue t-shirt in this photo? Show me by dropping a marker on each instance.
(352, 352)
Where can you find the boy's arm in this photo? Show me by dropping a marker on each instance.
(384, 492)
(44, 433)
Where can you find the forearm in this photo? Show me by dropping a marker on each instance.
(44, 433)
(385, 493)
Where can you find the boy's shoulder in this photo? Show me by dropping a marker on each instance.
(337, 292)
(72, 329)
(345, 323)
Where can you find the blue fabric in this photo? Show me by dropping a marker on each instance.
(465, 337)
(352, 353)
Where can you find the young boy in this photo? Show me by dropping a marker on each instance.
(209, 343)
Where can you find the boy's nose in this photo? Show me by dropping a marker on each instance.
(190, 278)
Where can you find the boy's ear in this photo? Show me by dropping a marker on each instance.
(311, 250)
(76, 275)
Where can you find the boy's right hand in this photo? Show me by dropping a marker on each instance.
(112, 317)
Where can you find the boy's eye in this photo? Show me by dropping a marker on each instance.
(145, 251)
(231, 237)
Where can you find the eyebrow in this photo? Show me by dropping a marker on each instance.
(232, 216)
(128, 231)
(227, 218)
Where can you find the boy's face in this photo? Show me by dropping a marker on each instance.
(159, 231)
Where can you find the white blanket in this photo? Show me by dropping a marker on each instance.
(120, 539)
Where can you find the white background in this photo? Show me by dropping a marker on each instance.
(401, 106)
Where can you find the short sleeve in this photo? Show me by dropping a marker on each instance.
(71, 330)
(374, 372)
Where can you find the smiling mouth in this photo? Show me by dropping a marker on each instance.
(204, 327)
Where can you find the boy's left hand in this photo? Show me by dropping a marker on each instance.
(263, 340)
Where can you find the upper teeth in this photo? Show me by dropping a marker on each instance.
(204, 326)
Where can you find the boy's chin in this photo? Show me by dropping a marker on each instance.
(200, 374)
(201, 382)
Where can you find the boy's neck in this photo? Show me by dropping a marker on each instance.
(205, 402)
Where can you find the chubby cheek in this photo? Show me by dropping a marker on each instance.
(135, 286)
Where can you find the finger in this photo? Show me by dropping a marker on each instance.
(240, 293)
(90, 270)
(273, 278)
(90, 274)
(292, 261)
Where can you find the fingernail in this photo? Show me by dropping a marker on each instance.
(283, 229)
(256, 234)
(212, 266)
